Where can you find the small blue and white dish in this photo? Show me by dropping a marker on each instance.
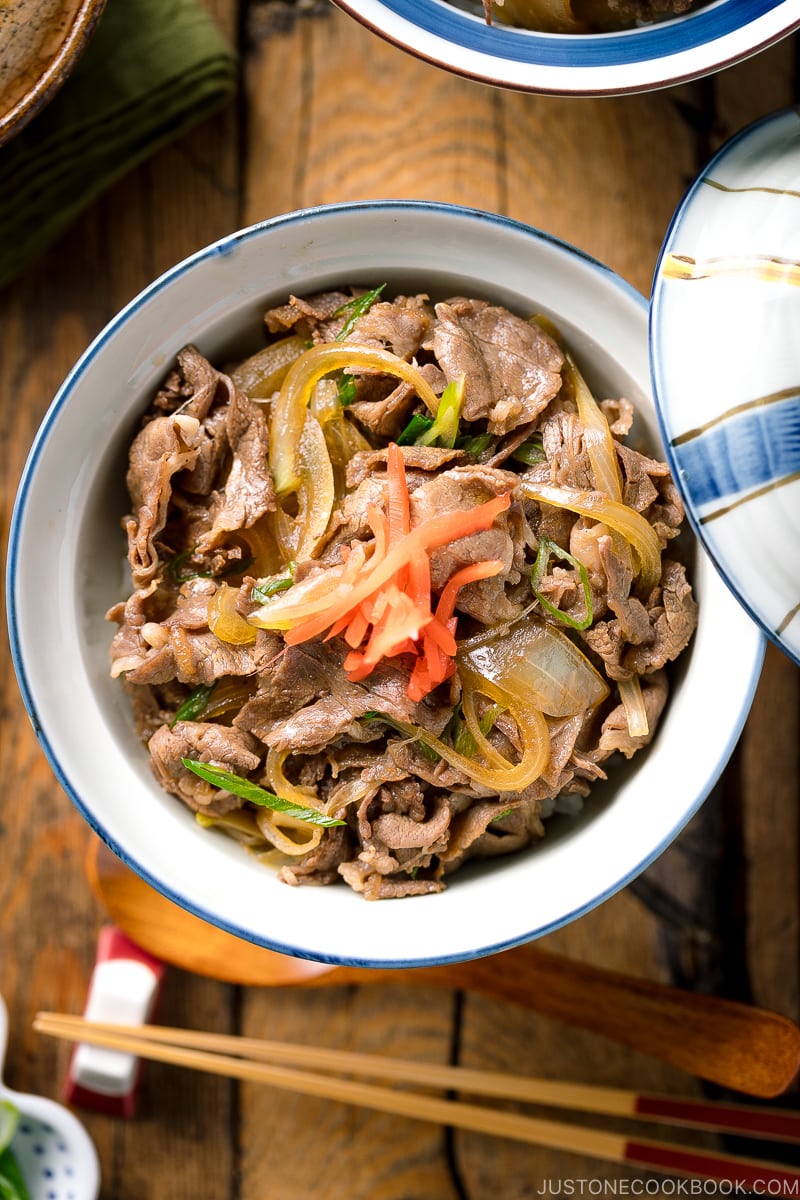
(725, 352)
(454, 35)
(52, 1150)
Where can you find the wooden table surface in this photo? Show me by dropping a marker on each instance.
(328, 112)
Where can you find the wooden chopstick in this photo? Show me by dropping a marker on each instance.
(244, 1058)
(745, 1120)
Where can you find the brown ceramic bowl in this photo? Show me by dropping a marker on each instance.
(40, 43)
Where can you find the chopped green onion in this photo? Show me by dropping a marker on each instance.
(419, 424)
(233, 568)
(546, 548)
(261, 592)
(475, 444)
(531, 452)
(195, 703)
(12, 1183)
(346, 390)
(444, 429)
(427, 751)
(238, 786)
(355, 308)
(463, 740)
(9, 1120)
(500, 815)
(177, 563)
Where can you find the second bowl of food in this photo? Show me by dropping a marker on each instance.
(372, 632)
(579, 47)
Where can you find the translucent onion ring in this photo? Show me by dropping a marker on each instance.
(598, 506)
(273, 825)
(512, 777)
(485, 747)
(630, 692)
(269, 824)
(597, 437)
(225, 622)
(289, 409)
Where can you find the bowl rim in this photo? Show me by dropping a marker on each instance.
(664, 54)
(55, 74)
(727, 566)
(225, 246)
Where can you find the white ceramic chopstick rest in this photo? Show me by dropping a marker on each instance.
(124, 989)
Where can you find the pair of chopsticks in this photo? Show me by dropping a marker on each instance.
(260, 1061)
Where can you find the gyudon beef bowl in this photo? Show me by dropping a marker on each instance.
(367, 582)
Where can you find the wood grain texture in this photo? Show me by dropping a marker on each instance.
(50, 920)
(329, 113)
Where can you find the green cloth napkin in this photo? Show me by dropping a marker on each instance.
(152, 69)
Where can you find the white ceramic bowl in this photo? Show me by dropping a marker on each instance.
(450, 34)
(725, 349)
(65, 563)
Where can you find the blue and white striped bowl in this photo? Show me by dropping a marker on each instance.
(445, 33)
(65, 529)
(725, 353)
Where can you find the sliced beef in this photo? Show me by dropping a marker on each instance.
(321, 865)
(463, 488)
(307, 702)
(191, 387)
(400, 325)
(562, 437)
(215, 425)
(666, 513)
(614, 735)
(488, 829)
(129, 646)
(208, 743)
(350, 521)
(386, 416)
(374, 884)
(672, 617)
(194, 657)
(639, 472)
(311, 317)
(619, 414)
(294, 678)
(212, 453)
(632, 615)
(165, 446)
(385, 413)
(400, 831)
(246, 493)
(426, 459)
(512, 367)
(312, 728)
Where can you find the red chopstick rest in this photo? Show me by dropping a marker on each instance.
(124, 988)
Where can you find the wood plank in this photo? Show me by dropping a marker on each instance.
(50, 919)
(339, 1151)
